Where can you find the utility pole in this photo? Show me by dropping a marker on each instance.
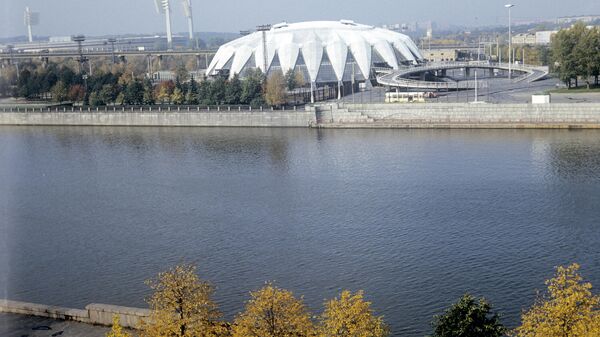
(509, 6)
(112, 41)
(82, 59)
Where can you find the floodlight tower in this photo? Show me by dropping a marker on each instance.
(31, 19)
(187, 8)
(164, 7)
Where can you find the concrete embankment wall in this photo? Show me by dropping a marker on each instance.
(101, 314)
(453, 115)
(137, 117)
(335, 115)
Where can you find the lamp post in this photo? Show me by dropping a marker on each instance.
(509, 6)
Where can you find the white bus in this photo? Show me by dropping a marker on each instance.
(404, 97)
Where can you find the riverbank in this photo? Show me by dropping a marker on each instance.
(96, 314)
(334, 115)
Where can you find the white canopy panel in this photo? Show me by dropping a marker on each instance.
(313, 39)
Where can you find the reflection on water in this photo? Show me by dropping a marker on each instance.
(415, 218)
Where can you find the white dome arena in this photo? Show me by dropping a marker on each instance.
(324, 51)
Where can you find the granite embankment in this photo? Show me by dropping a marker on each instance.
(100, 314)
(335, 115)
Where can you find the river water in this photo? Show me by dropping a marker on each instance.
(414, 218)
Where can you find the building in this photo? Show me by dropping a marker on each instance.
(537, 38)
(322, 51)
(527, 38)
(572, 19)
(545, 37)
(441, 55)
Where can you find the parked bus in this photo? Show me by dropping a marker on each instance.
(404, 97)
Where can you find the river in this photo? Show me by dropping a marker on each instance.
(414, 218)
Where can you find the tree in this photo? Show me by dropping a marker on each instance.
(351, 315)
(177, 96)
(468, 318)
(191, 96)
(107, 94)
(273, 312)
(94, 99)
(233, 90)
(275, 89)
(117, 330)
(76, 93)
(218, 88)
(252, 87)
(568, 309)
(134, 93)
(290, 79)
(59, 92)
(181, 305)
(148, 92)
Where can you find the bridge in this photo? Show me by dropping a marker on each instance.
(400, 78)
(102, 53)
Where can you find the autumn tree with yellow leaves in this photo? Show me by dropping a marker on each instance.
(273, 312)
(181, 305)
(117, 330)
(569, 309)
(351, 315)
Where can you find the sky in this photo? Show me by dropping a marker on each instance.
(113, 17)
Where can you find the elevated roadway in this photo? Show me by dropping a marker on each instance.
(74, 53)
(401, 78)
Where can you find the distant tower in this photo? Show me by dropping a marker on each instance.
(31, 19)
(163, 6)
(187, 8)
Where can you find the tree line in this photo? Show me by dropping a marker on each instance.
(119, 86)
(576, 54)
(182, 305)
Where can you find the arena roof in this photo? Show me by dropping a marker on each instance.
(308, 42)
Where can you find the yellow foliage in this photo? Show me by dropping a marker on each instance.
(569, 309)
(181, 306)
(351, 315)
(273, 312)
(275, 89)
(117, 330)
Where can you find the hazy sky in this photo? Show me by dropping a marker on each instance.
(104, 17)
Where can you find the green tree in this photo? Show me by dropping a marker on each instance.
(148, 93)
(273, 312)
(107, 94)
(468, 318)
(252, 87)
(218, 87)
(290, 79)
(568, 309)
(351, 315)
(94, 99)
(59, 92)
(233, 91)
(191, 96)
(181, 305)
(134, 93)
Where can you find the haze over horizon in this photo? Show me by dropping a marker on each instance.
(116, 17)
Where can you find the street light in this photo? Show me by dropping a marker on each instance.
(509, 6)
